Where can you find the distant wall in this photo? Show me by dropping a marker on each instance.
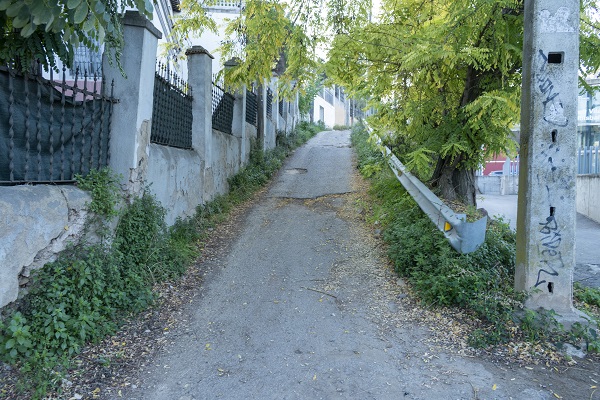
(588, 196)
(588, 191)
(502, 185)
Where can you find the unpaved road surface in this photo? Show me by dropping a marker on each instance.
(302, 305)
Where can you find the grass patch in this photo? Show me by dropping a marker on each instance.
(92, 288)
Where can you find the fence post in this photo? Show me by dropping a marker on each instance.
(238, 126)
(132, 116)
(200, 81)
(263, 113)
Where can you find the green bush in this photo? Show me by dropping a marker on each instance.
(340, 127)
(481, 281)
(587, 295)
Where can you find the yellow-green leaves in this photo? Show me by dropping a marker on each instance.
(443, 75)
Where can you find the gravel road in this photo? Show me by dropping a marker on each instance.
(302, 305)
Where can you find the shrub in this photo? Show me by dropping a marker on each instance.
(481, 281)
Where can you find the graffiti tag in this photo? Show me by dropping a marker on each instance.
(554, 111)
(550, 241)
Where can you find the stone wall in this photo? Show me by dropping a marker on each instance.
(502, 185)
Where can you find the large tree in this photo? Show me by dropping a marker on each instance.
(40, 30)
(445, 77)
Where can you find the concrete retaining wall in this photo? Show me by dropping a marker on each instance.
(36, 223)
(588, 196)
(175, 178)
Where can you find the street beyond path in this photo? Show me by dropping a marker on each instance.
(587, 236)
(302, 304)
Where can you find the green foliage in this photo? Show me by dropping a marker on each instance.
(589, 296)
(90, 288)
(445, 79)
(370, 160)
(341, 127)
(103, 186)
(40, 30)
(307, 96)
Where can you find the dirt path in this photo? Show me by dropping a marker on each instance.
(301, 304)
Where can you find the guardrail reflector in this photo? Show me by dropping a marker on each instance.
(447, 227)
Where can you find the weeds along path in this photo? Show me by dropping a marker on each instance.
(302, 305)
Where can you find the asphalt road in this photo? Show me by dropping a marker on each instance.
(303, 305)
(587, 236)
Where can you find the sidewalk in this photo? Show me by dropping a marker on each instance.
(587, 239)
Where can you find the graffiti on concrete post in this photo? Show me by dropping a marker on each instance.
(550, 241)
(554, 111)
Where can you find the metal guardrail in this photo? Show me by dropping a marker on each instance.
(465, 237)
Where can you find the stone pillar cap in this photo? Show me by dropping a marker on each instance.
(232, 62)
(198, 50)
(134, 18)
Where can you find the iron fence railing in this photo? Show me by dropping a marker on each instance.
(251, 107)
(171, 110)
(588, 160)
(222, 109)
(269, 103)
(52, 130)
(281, 104)
(226, 4)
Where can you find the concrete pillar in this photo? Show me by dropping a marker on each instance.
(133, 114)
(263, 112)
(199, 62)
(275, 105)
(238, 126)
(546, 212)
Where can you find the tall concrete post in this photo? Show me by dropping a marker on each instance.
(546, 213)
(199, 62)
(200, 81)
(238, 126)
(132, 116)
(263, 114)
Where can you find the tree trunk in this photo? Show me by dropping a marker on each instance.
(454, 184)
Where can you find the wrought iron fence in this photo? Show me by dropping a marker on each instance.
(222, 109)
(281, 104)
(251, 107)
(226, 3)
(588, 160)
(171, 110)
(269, 103)
(52, 130)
